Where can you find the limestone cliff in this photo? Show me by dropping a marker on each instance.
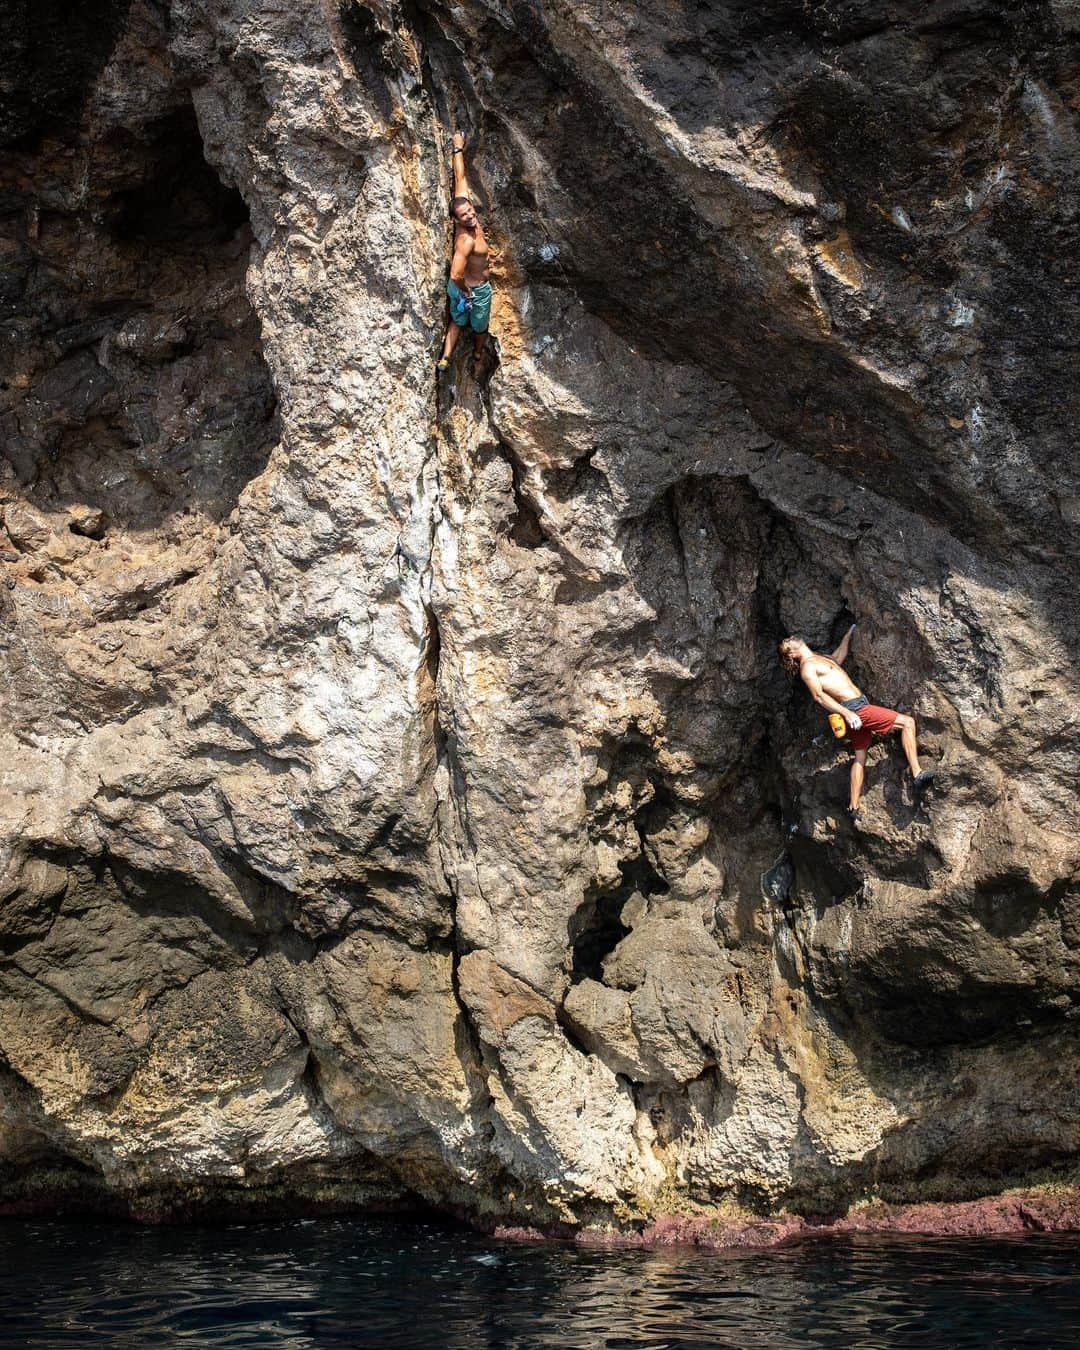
(400, 796)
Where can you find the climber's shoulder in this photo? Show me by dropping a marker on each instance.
(815, 665)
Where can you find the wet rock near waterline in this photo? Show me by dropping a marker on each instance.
(1054, 1209)
(399, 784)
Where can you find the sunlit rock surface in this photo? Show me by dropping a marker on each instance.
(399, 794)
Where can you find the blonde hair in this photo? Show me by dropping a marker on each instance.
(790, 658)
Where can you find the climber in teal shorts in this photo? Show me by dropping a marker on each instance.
(468, 288)
(470, 309)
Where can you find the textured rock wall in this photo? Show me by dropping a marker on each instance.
(399, 794)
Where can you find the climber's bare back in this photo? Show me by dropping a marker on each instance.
(834, 680)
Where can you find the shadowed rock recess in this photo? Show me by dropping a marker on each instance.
(400, 801)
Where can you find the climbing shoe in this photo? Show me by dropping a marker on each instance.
(852, 813)
(442, 364)
(923, 781)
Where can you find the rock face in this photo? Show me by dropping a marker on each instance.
(400, 795)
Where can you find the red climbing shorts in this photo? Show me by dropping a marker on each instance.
(875, 722)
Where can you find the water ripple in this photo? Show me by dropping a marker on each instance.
(351, 1282)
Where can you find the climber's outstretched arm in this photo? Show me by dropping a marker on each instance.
(841, 653)
(461, 178)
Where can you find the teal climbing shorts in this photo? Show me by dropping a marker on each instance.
(476, 315)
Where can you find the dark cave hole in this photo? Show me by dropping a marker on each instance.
(580, 480)
(182, 201)
(597, 928)
(601, 932)
(526, 530)
(53, 52)
(186, 412)
(840, 625)
(369, 44)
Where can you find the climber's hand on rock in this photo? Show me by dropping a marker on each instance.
(459, 140)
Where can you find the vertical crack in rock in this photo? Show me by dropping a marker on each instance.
(451, 809)
(308, 1078)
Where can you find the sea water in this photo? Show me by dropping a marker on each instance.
(358, 1282)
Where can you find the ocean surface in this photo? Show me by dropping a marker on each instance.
(359, 1282)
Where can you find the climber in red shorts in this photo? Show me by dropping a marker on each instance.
(831, 687)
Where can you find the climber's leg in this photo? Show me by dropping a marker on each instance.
(478, 319)
(858, 772)
(905, 725)
(480, 313)
(460, 308)
(453, 332)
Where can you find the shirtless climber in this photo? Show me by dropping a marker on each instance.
(831, 687)
(468, 288)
